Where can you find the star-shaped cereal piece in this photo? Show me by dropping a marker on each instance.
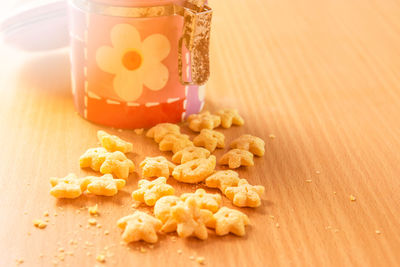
(205, 200)
(175, 142)
(162, 211)
(204, 120)
(244, 194)
(150, 192)
(191, 220)
(114, 143)
(190, 153)
(195, 171)
(223, 179)
(105, 185)
(229, 221)
(68, 187)
(235, 158)
(139, 226)
(94, 158)
(118, 164)
(250, 143)
(229, 117)
(156, 167)
(210, 140)
(160, 130)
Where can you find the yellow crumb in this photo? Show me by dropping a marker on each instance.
(317, 172)
(46, 220)
(46, 214)
(93, 210)
(173, 239)
(61, 249)
(19, 261)
(179, 251)
(277, 225)
(106, 232)
(25, 212)
(29, 233)
(308, 181)
(352, 198)
(39, 224)
(272, 216)
(139, 131)
(41, 255)
(143, 250)
(200, 260)
(88, 253)
(92, 221)
(101, 258)
(55, 214)
(272, 136)
(99, 225)
(61, 257)
(377, 232)
(191, 258)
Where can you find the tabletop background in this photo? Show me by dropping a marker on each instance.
(322, 76)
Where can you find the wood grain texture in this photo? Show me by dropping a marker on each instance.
(322, 76)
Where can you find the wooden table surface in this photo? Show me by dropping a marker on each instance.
(322, 76)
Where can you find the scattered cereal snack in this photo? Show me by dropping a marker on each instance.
(250, 143)
(191, 220)
(200, 260)
(229, 221)
(101, 258)
(94, 210)
(175, 142)
(93, 158)
(190, 153)
(68, 187)
(118, 164)
(229, 117)
(150, 192)
(235, 158)
(156, 167)
(160, 130)
(204, 120)
(210, 140)
(139, 226)
(208, 201)
(105, 185)
(39, 224)
(244, 194)
(162, 211)
(114, 143)
(139, 131)
(195, 171)
(223, 179)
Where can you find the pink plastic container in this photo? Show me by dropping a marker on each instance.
(125, 60)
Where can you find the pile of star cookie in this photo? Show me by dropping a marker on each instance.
(189, 214)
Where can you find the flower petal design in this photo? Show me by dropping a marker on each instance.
(125, 37)
(128, 85)
(108, 59)
(156, 47)
(155, 76)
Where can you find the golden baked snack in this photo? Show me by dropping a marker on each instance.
(235, 158)
(68, 187)
(250, 143)
(105, 185)
(156, 167)
(229, 117)
(175, 142)
(195, 171)
(222, 180)
(139, 226)
(204, 120)
(118, 164)
(210, 140)
(162, 211)
(245, 195)
(190, 153)
(160, 130)
(205, 200)
(114, 143)
(150, 192)
(229, 221)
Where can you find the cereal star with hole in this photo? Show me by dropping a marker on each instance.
(191, 220)
(94, 158)
(245, 195)
(159, 131)
(235, 158)
(250, 143)
(114, 143)
(105, 185)
(190, 153)
(229, 221)
(204, 120)
(195, 171)
(156, 167)
(68, 187)
(150, 192)
(118, 164)
(230, 117)
(205, 200)
(222, 180)
(210, 140)
(162, 211)
(175, 142)
(139, 226)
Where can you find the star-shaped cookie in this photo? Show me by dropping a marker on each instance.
(150, 192)
(139, 226)
(204, 120)
(229, 221)
(175, 142)
(190, 153)
(195, 171)
(156, 167)
(205, 200)
(235, 158)
(250, 143)
(160, 130)
(105, 185)
(68, 187)
(118, 164)
(114, 143)
(223, 179)
(229, 117)
(244, 194)
(162, 211)
(210, 140)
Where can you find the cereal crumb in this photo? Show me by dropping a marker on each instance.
(378, 232)
(277, 225)
(55, 214)
(179, 251)
(19, 261)
(143, 250)
(61, 256)
(200, 260)
(308, 181)
(106, 232)
(41, 255)
(272, 136)
(25, 212)
(46, 214)
(173, 239)
(92, 221)
(88, 253)
(61, 249)
(39, 224)
(334, 192)
(317, 172)
(93, 210)
(272, 216)
(191, 258)
(101, 258)
(139, 131)
(352, 198)
(99, 225)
